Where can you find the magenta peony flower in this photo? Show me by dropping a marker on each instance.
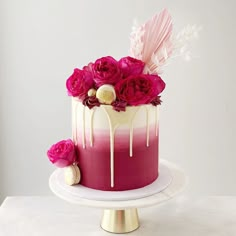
(79, 83)
(62, 154)
(131, 66)
(139, 89)
(106, 71)
(89, 67)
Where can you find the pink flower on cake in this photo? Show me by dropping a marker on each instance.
(139, 89)
(79, 83)
(106, 70)
(131, 66)
(62, 154)
(89, 67)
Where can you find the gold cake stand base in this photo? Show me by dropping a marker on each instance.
(120, 221)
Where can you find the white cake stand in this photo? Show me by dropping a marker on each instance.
(120, 214)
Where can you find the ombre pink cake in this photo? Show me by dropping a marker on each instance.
(115, 114)
(117, 150)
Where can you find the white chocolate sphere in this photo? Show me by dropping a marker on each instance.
(106, 94)
(92, 92)
(72, 174)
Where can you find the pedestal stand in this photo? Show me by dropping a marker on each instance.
(120, 214)
(120, 221)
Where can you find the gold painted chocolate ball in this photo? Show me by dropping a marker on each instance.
(106, 94)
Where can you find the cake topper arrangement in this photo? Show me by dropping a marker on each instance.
(133, 80)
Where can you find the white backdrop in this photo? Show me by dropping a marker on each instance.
(42, 41)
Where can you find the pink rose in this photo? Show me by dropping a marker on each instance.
(79, 83)
(139, 89)
(106, 71)
(89, 67)
(131, 66)
(62, 154)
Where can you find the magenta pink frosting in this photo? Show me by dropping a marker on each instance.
(129, 172)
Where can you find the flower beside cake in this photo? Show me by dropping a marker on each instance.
(63, 155)
(115, 113)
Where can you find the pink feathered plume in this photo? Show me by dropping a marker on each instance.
(154, 41)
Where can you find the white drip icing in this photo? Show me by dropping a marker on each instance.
(83, 128)
(156, 120)
(116, 119)
(112, 145)
(91, 127)
(131, 140)
(74, 121)
(147, 126)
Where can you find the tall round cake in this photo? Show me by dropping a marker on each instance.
(116, 150)
(115, 114)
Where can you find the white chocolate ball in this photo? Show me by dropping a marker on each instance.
(92, 92)
(72, 174)
(106, 94)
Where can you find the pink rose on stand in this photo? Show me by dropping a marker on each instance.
(106, 70)
(79, 83)
(131, 66)
(139, 89)
(62, 154)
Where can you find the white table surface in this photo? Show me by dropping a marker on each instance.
(181, 216)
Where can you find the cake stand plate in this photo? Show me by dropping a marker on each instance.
(120, 214)
(73, 192)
